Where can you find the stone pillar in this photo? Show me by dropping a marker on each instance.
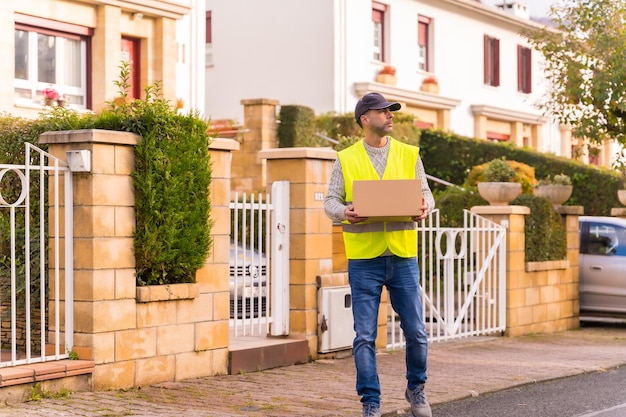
(104, 224)
(308, 171)
(249, 171)
(149, 334)
(480, 126)
(106, 51)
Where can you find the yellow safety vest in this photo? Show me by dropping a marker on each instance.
(369, 240)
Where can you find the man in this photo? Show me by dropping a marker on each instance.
(381, 253)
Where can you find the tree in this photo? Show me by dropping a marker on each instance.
(585, 66)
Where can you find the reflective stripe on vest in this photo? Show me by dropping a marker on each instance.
(378, 227)
(369, 240)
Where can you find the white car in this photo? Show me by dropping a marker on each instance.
(602, 265)
(248, 282)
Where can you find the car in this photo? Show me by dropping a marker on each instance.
(602, 265)
(248, 282)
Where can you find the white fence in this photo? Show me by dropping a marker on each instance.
(259, 263)
(463, 279)
(31, 303)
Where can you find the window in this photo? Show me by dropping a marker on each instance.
(492, 61)
(51, 54)
(423, 43)
(524, 79)
(378, 20)
(605, 239)
(208, 39)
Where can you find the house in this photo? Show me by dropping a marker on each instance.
(62, 52)
(328, 53)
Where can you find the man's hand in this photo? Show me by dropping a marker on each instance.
(424, 212)
(352, 216)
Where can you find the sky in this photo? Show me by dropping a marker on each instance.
(537, 8)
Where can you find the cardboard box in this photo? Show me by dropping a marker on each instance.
(387, 200)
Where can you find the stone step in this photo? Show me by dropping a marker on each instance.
(254, 354)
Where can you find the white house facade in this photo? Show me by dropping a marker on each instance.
(327, 53)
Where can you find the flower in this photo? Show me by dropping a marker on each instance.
(388, 69)
(49, 93)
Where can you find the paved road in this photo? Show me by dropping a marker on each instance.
(600, 393)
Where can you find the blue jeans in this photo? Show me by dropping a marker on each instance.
(401, 277)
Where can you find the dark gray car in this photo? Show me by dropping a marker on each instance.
(602, 262)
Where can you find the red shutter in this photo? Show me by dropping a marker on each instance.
(486, 59)
(520, 68)
(529, 71)
(496, 63)
(208, 28)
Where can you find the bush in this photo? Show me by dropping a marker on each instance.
(296, 127)
(544, 232)
(451, 157)
(501, 170)
(171, 178)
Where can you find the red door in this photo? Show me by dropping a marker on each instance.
(130, 54)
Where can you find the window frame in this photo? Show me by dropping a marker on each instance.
(424, 41)
(35, 26)
(491, 61)
(379, 12)
(524, 69)
(208, 38)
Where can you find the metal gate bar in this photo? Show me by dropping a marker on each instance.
(41, 170)
(463, 279)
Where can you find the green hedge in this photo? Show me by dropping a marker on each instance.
(296, 127)
(451, 158)
(544, 231)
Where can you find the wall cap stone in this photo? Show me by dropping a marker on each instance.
(570, 210)
(224, 144)
(90, 136)
(618, 212)
(252, 101)
(298, 153)
(150, 293)
(500, 210)
(547, 265)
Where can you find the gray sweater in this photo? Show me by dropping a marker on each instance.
(335, 200)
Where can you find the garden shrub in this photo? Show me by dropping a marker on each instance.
(544, 231)
(171, 178)
(297, 127)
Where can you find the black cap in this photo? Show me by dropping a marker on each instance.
(373, 101)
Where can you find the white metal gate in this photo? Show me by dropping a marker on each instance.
(463, 279)
(30, 274)
(259, 263)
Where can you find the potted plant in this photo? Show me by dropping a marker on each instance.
(430, 85)
(558, 189)
(497, 184)
(387, 75)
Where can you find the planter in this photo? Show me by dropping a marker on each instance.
(621, 196)
(386, 79)
(557, 194)
(430, 88)
(499, 193)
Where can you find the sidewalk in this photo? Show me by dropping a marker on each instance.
(457, 369)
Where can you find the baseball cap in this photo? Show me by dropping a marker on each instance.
(372, 101)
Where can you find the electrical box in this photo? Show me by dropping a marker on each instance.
(79, 160)
(335, 324)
